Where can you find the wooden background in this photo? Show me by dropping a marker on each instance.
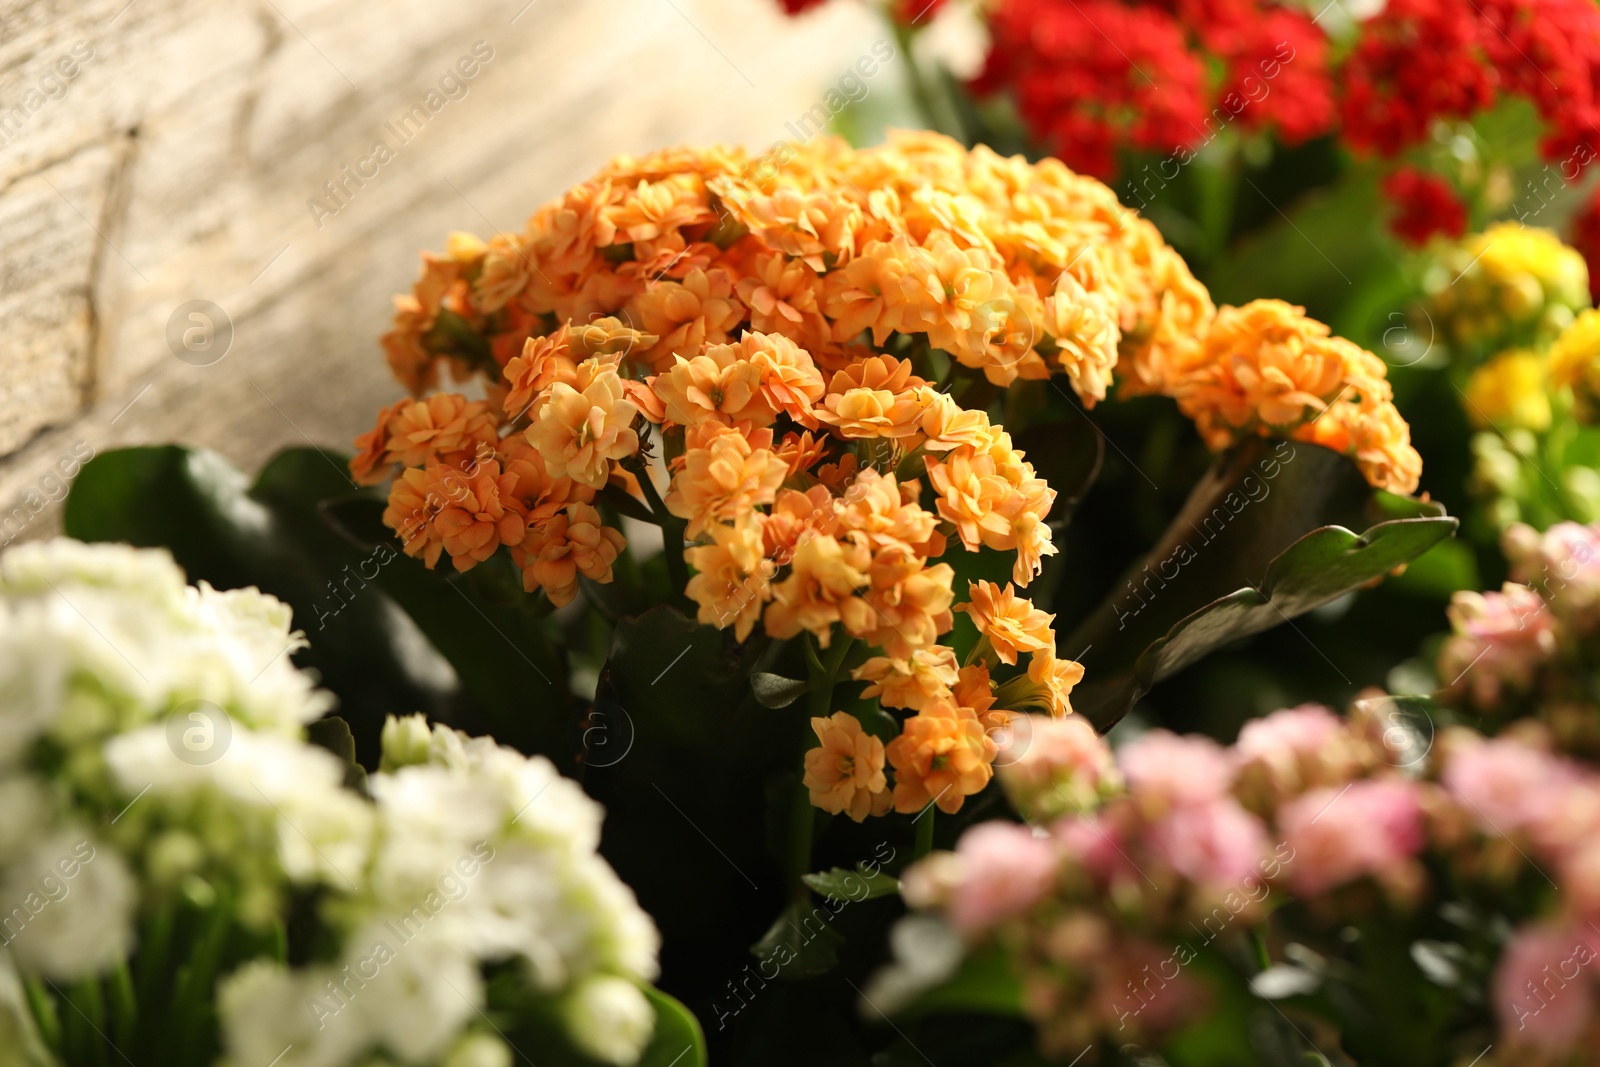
(177, 163)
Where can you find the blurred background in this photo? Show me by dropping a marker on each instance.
(179, 170)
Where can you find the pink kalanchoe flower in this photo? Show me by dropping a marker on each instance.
(1507, 786)
(1291, 750)
(1339, 835)
(1562, 565)
(1005, 870)
(1095, 844)
(1299, 731)
(1500, 642)
(1212, 843)
(1544, 987)
(1064, 767)
(1165, 768)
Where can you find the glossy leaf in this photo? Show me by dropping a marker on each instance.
(678, 1040)
(857, 885)
(1273, 531)
(776, 691)
(387, 635)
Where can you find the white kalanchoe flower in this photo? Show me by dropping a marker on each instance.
(609, 1019)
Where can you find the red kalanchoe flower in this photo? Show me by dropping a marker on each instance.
(1419, 60)
(1278, 64)
(795, 7)
(1425, 204)
(1549, 52)
(1090, 76)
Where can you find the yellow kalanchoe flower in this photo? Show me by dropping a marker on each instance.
(1509, 392)
(1575, 364)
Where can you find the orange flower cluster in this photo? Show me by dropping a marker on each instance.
(760, 356)
(1267, 369)
(945, 752)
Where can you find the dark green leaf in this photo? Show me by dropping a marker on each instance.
(857, 885)
(677, 1041)
(1267, 535)
(801, 942)
(985, 983)
(776, 691)
(333, 734)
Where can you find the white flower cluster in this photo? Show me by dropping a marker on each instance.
(100, 646)
(151, 742)
(481, 855)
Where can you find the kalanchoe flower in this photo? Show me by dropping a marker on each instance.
(1575, 361)
(1562, 566)
(1543, 991)
(1425, 205)
(1371, 828)
(1063, 767)
(1501, 642)
(845, 772)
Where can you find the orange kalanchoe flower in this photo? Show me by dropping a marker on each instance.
(719, 385)
(480, 514)
(1011, 623)
(756, 343)
(942, 756)
(724, 477)
(825, 577)
(444, 428)
(875, 398)
(571, 543)
(579, 432)
(731, 583)
(909, 683)
(845, 773)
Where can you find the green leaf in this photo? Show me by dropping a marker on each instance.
(985, 983)
(857, 885)
(1067, 454)
(388, 636)
(678, 1040)
(1270, 533)
(801, 941)
(776, 691)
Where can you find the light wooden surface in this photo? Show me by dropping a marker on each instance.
(177, 164)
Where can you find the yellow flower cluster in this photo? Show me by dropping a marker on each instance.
(1511, 285)
(765, 353)
(1575, 364)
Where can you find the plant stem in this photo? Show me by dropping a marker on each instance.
(925, 822)
(124, 1008)
(824, 671)
(939, 118)
(671, 528)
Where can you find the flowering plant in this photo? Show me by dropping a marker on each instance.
(195, 867)
(750, 514)
(1389, 887)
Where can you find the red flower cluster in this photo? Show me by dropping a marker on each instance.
(1090, 76)
(1425, 204)
(1422, 60)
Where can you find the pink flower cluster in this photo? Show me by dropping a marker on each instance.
(1529, 813)
(1135, 865)
(1530, 649)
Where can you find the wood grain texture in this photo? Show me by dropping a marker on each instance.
(177, 162)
